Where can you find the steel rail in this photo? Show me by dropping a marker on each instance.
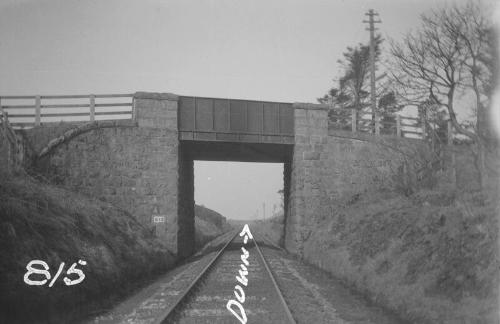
(268, 241)
(170, 311)
(282, 299)
(163, 318)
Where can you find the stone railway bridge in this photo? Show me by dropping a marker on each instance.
(145, 165)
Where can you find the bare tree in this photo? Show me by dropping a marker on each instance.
(477, 38)
(451, 55)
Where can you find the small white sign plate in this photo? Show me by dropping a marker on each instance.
(158, 218)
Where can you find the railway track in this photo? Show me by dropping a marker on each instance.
(230, 290)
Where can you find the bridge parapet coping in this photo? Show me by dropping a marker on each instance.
(156, 96)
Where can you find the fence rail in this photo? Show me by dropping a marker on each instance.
(387, 124)
(29, 111)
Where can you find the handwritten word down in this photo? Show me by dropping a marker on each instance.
(239, 293)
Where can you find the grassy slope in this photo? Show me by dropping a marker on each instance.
(272, 228)
(208, 225)
(40, 221)
(432, 257)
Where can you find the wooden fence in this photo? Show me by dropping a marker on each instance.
(397, 125)
(29, 111)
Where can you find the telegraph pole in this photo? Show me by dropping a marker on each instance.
(371, 27)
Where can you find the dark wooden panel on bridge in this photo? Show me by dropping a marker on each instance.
(232, 120)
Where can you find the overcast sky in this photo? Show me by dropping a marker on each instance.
(253, 49)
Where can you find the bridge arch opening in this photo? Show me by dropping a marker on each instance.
(191, 151)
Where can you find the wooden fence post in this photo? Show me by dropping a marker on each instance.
(92, 107)
(377, 124)
(353, 120)
(398, 125)
(424, 131)
(450, 133)
(37, 110)
(134, 112)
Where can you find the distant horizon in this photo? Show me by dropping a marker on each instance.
(224, 187)
(236, 219)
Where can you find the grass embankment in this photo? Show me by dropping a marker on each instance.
(39, 221)
(432, 257)
(271, 229)
(209, 224)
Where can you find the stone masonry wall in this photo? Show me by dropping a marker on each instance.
(308, 163)
(135, 168)
(333, 168)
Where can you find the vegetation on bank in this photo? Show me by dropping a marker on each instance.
(39, 221)
(432, 256)
(209, 224)
(271, 229)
